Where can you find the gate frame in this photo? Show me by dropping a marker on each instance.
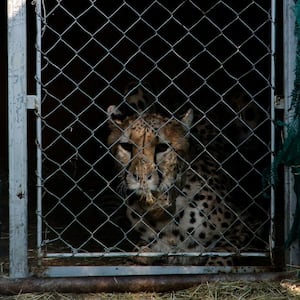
(63, 271)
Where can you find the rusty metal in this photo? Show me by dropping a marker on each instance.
(126, 283)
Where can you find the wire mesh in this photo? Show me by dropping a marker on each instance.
(213, 57)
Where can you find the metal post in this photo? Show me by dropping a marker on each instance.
(38, 125)
(17, 91)
(292, 257)
(273, 43)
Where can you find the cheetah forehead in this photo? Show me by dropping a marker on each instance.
(149, 123)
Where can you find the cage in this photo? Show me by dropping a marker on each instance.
(102, 65)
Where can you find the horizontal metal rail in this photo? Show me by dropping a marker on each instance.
(79, 271)
(154, 254)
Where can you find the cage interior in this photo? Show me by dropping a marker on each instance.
(213, 57)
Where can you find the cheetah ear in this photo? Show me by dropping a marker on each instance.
(115, 116)
(188, 118)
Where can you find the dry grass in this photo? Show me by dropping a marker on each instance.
(210, 291)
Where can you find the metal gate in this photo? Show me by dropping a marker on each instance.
(216, 57)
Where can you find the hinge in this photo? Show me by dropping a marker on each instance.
(279, 102)
(31, 101)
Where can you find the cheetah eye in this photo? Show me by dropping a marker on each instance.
(126, 146)
(162, 147)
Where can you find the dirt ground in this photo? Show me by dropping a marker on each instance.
(287, 289)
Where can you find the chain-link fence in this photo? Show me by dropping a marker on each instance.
(214, 57)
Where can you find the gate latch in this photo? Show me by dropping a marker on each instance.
(279, 102)
(31, 101)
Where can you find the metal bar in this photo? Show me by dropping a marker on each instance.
(131, 284)
(292, 254)
(17, 130)
(272, 100)
(152, 254)
(38, 126)
(90, 271)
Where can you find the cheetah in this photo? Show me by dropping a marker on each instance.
(177, 200)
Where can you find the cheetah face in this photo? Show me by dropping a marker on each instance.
(151, 152)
